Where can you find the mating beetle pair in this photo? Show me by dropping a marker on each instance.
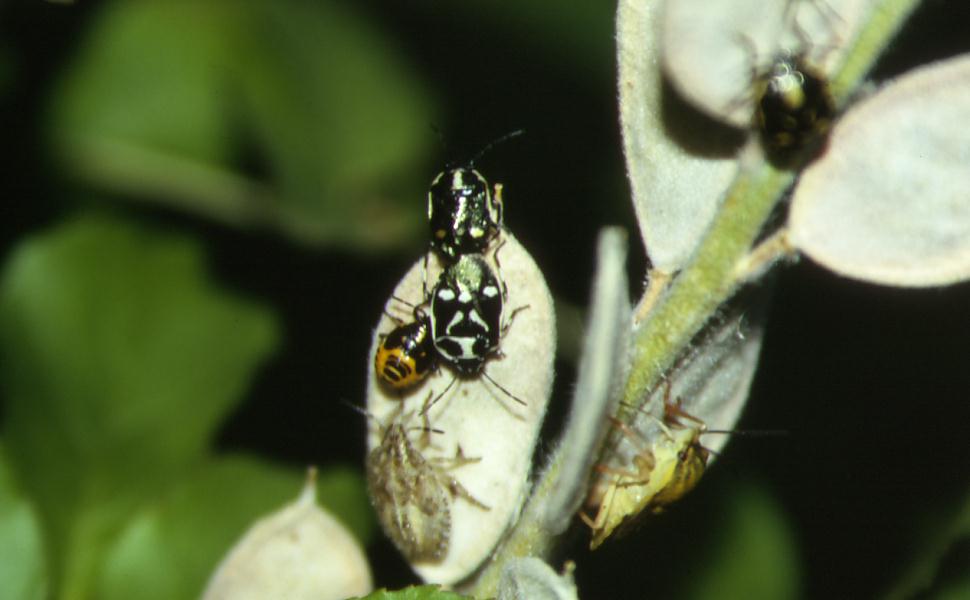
(463, 328)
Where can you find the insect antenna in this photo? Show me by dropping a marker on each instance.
(359, 409)
(488, 147)
(410, 305)
(428, 405)
(499, 386)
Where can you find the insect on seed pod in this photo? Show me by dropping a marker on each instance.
(406, 354)
(762, 64)
(464, 214)
(412, 494)
(794, 106)
(466, 311)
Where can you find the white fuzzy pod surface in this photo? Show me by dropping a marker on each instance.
(298, 552)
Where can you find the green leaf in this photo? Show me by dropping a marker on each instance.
(939, 551)
(341, 491)
(754, 554)
(149, 74)
(23, 573)
(957, 590)
(119, 358)
(337, 110)
(166, 98)
(171, 547)
(421, 592)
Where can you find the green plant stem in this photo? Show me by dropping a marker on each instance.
(885, 20)
(151, 175)
(706, 282)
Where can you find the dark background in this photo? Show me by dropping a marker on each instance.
(872, 383)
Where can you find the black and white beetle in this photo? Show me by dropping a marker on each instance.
(466, 319)
(466, 314)
(464, 214)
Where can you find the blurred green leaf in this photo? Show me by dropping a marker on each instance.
(119, 358)
(23, 574)
(957, 589)
(754, 554)
(153, 74)
(421, 592)
(169, 549)
(165, 99)
(942, 538)
(341, 491)
(337, 110)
